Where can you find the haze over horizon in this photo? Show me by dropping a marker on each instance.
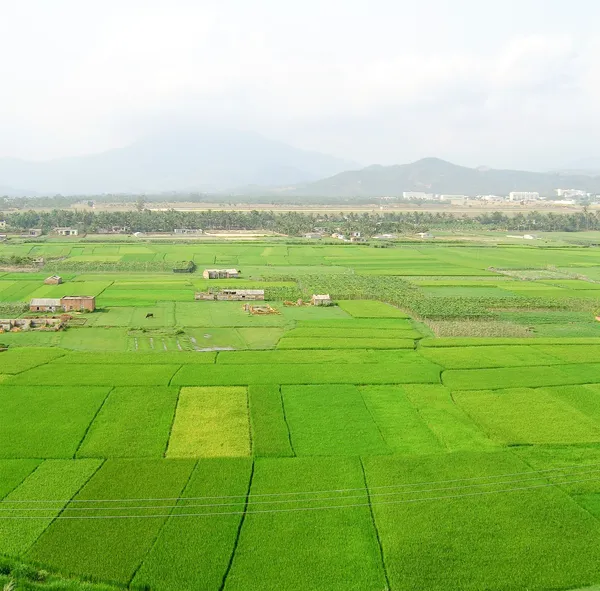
(504, 84)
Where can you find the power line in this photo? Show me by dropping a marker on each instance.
(300, 509)
(309, 500)
(340, 490)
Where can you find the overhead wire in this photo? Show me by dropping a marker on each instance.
(310, 492)
(251, 501)
(298, 509)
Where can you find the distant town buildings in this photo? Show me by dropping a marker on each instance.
(416, 195)
(454, 199)
(570, 193)
(490, 198)
(523, 196)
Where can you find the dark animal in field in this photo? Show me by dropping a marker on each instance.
(149, 315)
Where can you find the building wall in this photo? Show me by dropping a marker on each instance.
(79, 304)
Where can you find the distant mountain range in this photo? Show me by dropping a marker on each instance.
(246, 163)
(189, 160)
(432, 175)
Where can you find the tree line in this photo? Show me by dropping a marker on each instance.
(297, 223)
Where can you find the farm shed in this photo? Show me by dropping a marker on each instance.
(241, 294)
(66, 231)
(220, 273)
(321, 300)
(45, 305)
(205, 295)
(187, 231)
(313, 235)
(70, 303)
(53, 280)
(34, 232)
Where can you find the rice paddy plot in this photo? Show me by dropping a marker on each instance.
(418, 270)
(193, 553)
(130, 358)
(13, 361)
(488, 357)
(112, 549)
(514, 377)
(585, 398)
(88, 288)
(214, 339)
(133, 422)
(210, 422)
(30, 339)
(161, 315)
(138, 297)
(571, 353)
(446, 542)
(354, 333)
(19, 291)
(270, 433)
(358, 323)
(308, 313)
(117, 316)
(46, 422)
(452, 426)
(398, 420)
(321, 550)
(331, 419)
(13, 472)
(410, 372)
(345, 343)
(94, 339)
(43, 494)
(157, 341)
(352, 356)
(506, 416)
(260, 338)
(97, 375)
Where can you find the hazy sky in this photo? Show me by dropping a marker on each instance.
(507, 83)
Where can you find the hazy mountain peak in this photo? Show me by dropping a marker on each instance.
(178, 158)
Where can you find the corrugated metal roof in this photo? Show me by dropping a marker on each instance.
(243, 291)
(78, 297)
(322, 297)
(45, 302)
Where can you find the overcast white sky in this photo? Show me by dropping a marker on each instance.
(506, 83)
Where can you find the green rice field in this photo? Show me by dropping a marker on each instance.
(436, 428)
